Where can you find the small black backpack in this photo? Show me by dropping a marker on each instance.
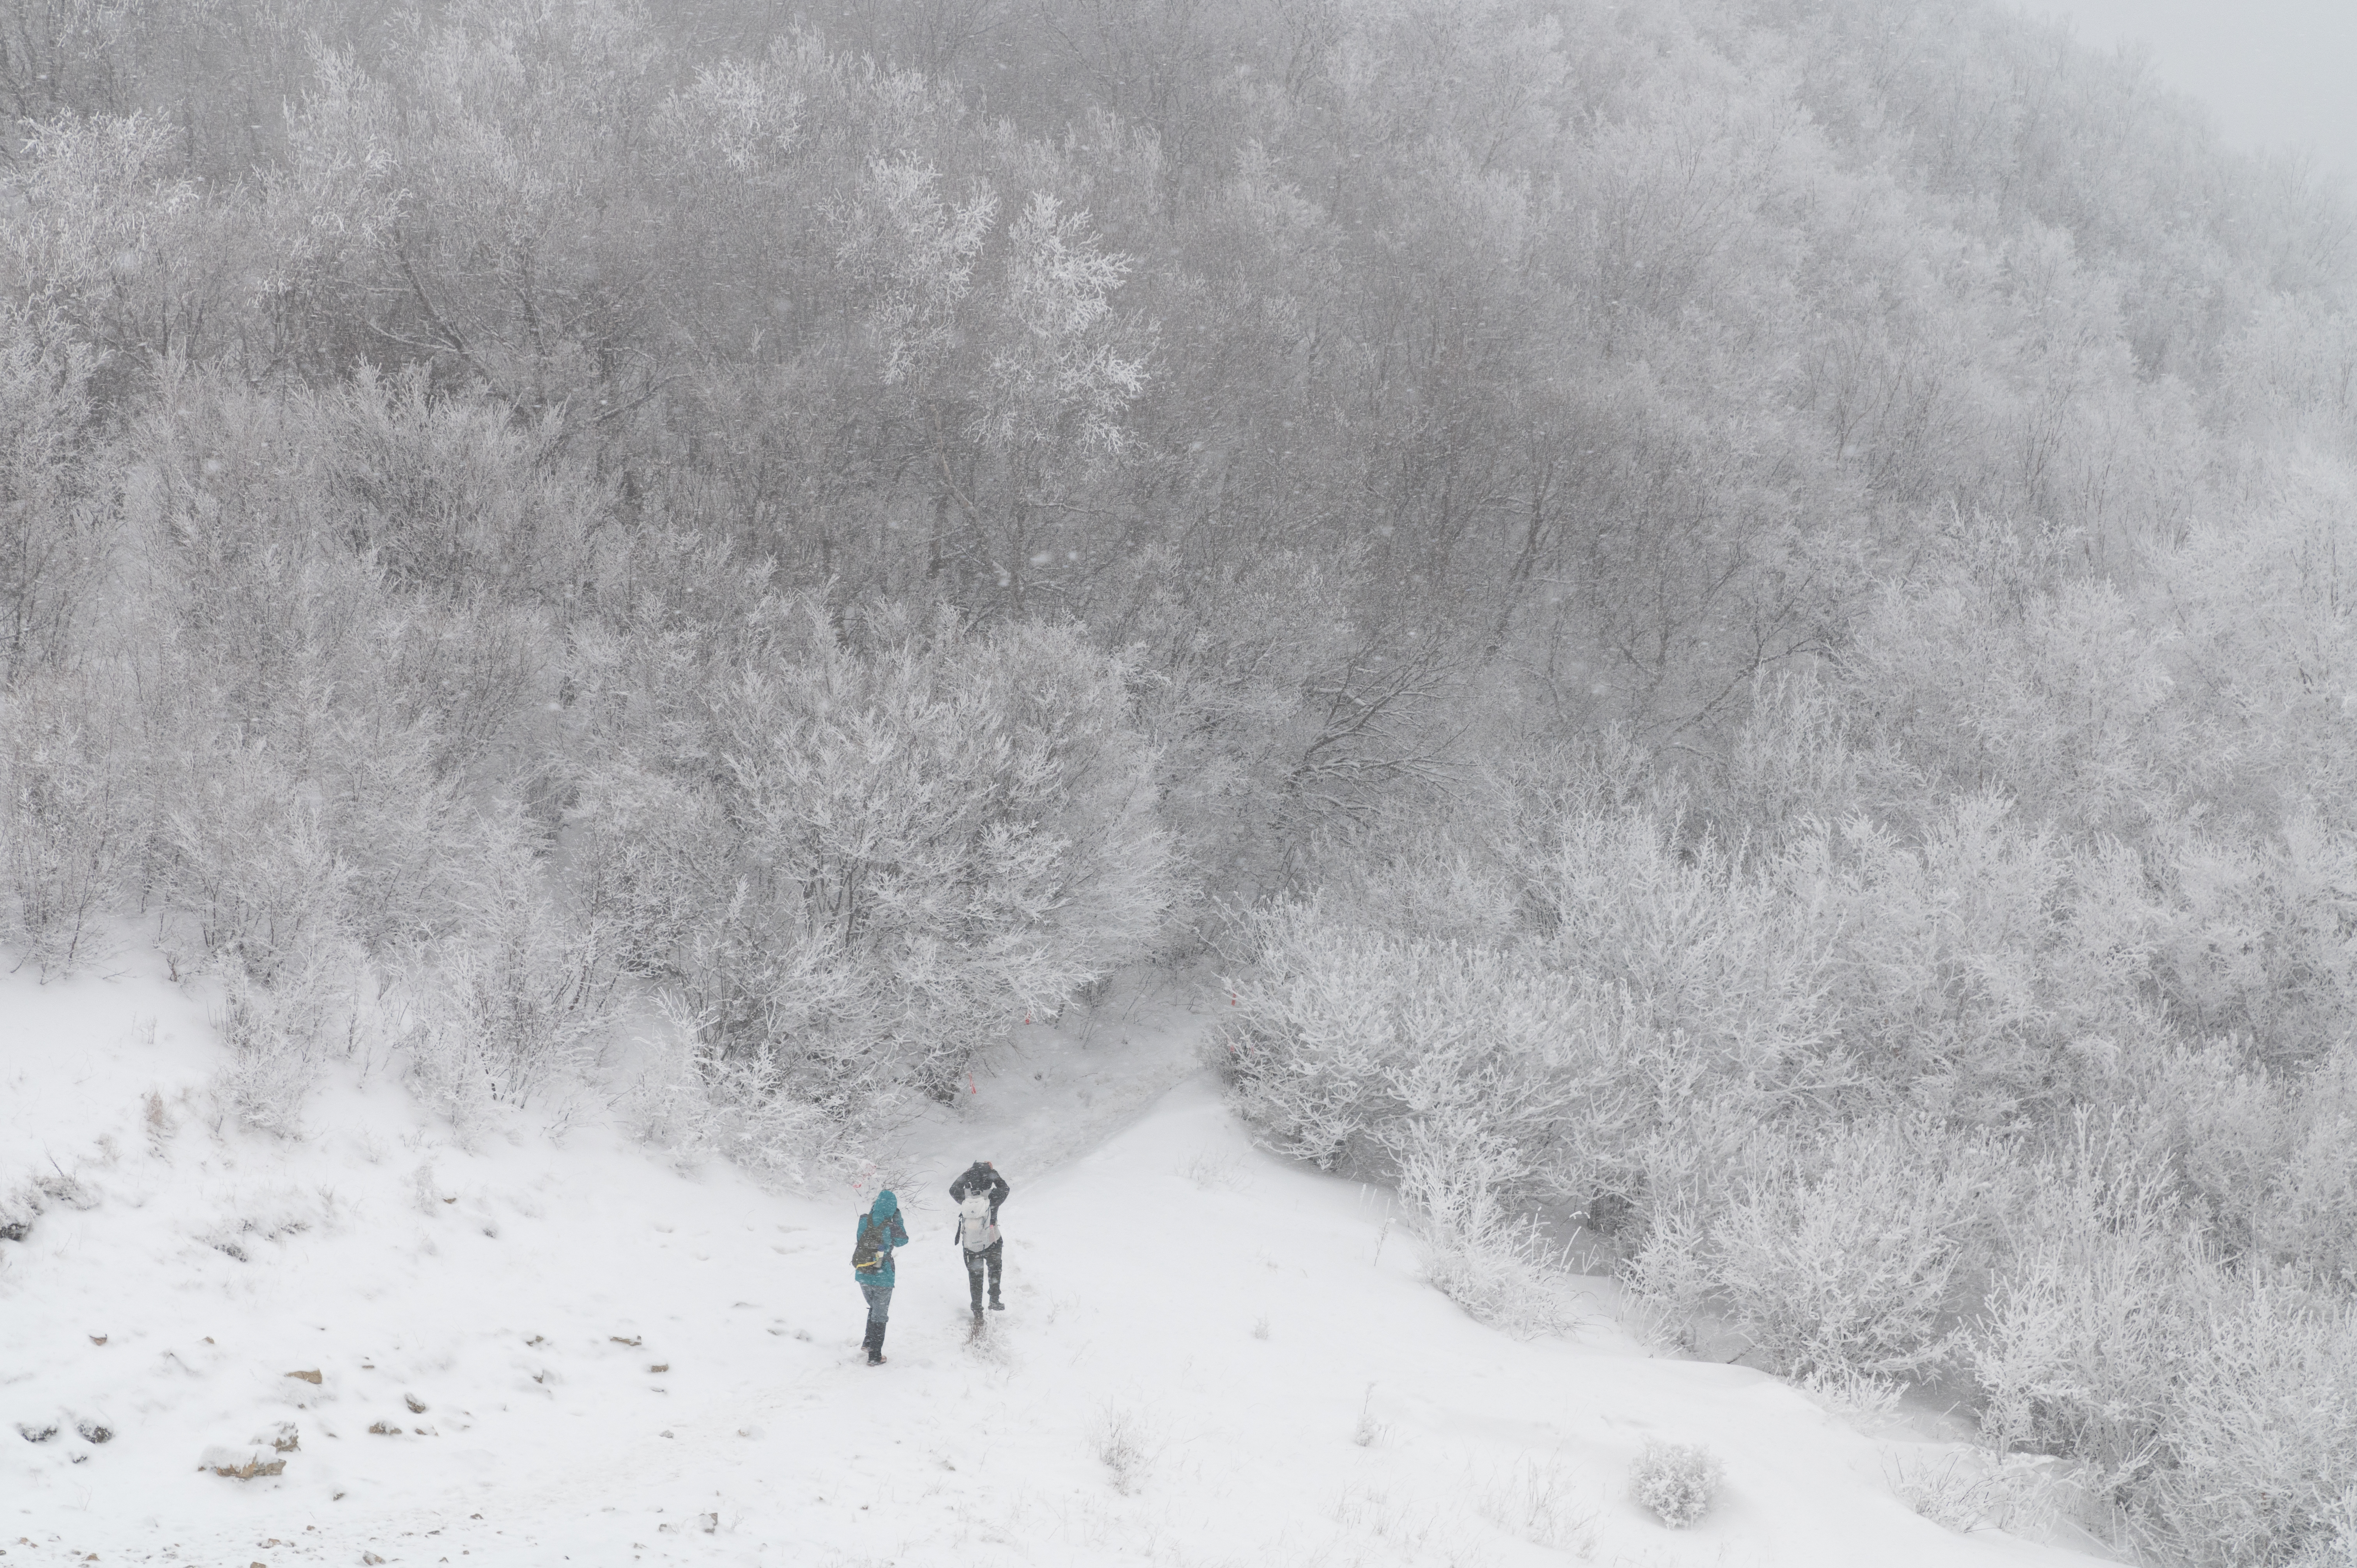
(866, 1257)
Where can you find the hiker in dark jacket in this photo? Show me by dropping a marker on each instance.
(979, 1192)
(880, 1231)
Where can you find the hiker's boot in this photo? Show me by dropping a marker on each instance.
(875, 1355)
(996, 1304)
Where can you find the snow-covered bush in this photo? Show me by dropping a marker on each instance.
(1857, 1254)
(1343, 1037)
(72, 810)
(513, 998)
(2257, 936)
(1839, 1253)
(2334, 1542)
(1478, 1085)
(274, 1053)
(451, 496)
(697, 1100)
(52, 471)
(1676, 1483)
(283, 1034)
(252, 857)
(2213, 1408)
(1458, 1175)
(1860, 1396)
(2254, 1461)
(2068, 711)
(1615, 974)
(906, 835)
(1580, 1008)
(2269, 1153)
(1968, 1489)
(1983, 969)
(2089, 1321)
(1722, 963)
(649, 851)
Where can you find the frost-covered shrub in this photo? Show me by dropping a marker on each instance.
(698, 1100)
(2334, 1542)
(1862, 1396)
(1124, 1442)
(1843, 1254)
(282, 1035)
(1676, 1483)
(71, 815)
(1969, 1489)
(1458, 1176)
(2308, 1222)
(1614, 974)
(2213, 1416)
(2068, 708)
(453, 495)
(1801, 758)
(882, 845)
(252, 858)
(2089, 1321)
(1983, 970)
(273, 1057)
(1544, 1502)
(2257, 939)
(1585, 1005)
(1346, 1042)
(2254, 1459)
(1722, 964)
(54, 531)
(1444, 1069)
(1856, 1254)
(649, 851)
(2213, 1408)
(2270, 1154)
(512, 1000)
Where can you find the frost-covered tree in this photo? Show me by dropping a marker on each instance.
(907, 833)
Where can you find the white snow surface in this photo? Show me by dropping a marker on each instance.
(584, 1354)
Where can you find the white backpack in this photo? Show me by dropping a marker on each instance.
(975, 1230)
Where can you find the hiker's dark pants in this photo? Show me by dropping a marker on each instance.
(994, 1258)
(879, 1302)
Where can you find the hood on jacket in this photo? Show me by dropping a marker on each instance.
(885, 1207)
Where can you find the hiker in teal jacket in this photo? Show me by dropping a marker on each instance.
(880, 1231)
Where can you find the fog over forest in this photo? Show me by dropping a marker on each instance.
(1733, 623)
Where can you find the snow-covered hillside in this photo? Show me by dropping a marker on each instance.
(542, 1350)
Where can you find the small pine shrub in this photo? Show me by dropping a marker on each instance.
(1676, 1483)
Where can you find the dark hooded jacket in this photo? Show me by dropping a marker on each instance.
(980, 1177)
(884, 1214)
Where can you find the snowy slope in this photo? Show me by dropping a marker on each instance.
(618, 1363)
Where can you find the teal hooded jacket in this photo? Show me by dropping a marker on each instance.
(891, 1232)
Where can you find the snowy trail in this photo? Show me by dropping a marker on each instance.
(621, 1363)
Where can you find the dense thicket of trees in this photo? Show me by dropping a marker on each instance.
(1719, 607)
